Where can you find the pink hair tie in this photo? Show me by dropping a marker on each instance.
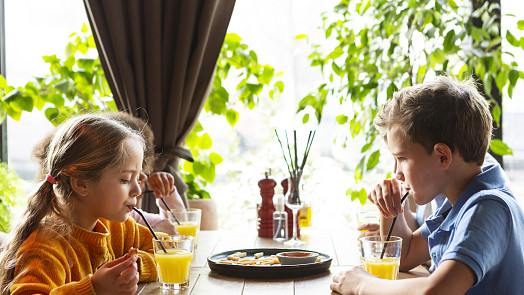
(50, 178)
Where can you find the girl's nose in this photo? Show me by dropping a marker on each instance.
(137, 190)
(142, 177)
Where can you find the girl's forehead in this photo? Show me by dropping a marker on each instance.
(133, 156)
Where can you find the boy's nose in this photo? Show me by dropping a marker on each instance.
(400, 176)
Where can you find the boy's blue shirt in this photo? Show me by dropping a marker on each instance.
(484, 230)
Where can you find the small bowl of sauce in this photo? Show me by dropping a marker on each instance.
(297, 257)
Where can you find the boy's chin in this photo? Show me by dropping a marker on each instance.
(421, 201)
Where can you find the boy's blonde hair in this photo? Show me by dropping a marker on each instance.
(442, 111)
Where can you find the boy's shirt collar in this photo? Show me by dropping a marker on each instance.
(491, 177)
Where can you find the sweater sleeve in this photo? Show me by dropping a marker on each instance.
(41, 272)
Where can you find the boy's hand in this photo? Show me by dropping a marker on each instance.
(387, 195)
(349, 281)
(162, 183)
(119, 276)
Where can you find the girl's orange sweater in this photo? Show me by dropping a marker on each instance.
(49, 263)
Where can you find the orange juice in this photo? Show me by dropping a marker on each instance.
(174, 266)
(187, 228)
(385, 268)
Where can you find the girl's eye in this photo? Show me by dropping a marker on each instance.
(125, 181)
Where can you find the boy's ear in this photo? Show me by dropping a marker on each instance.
(79, 185)
(444, 153)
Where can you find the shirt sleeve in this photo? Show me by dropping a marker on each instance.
(481, 236)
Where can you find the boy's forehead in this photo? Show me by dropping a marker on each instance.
(396, 139)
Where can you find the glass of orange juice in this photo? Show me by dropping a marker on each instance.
(189, 222)
(380, 257)
(173, 256)
(368, 214)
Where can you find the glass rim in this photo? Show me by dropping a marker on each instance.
(174, 238)
(186, 210)
(380, 239)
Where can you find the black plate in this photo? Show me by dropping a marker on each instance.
(268, 272)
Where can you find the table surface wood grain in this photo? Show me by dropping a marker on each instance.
(342, 246)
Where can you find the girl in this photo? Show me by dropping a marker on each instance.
(156, 184)
(74, 233)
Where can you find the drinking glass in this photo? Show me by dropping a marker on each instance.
(294, 203)
(173, 256)
(189, 219)
(368, 214)
(381, 257)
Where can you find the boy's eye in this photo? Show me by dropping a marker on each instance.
(125, 181)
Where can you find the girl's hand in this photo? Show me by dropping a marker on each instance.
(119, 276)
(387, 195)
(347, 282)
(162, 183)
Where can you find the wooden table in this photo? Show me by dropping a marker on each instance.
(342, 247)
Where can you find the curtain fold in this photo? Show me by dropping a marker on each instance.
(159, 59)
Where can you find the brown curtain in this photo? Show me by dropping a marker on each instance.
(159, 58)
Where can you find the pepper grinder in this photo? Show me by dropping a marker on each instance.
(266, 208)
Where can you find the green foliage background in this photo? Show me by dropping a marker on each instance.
(77, 84)
(11, 195)
(372, 48)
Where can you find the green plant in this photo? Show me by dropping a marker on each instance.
(381, 46)
(11, 195)
(253, 81)
(77, 84)
(74, 85)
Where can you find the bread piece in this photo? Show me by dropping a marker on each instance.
(132, 251)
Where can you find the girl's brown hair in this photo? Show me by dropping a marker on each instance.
(442, 111)
(39, 152)
(81, 147)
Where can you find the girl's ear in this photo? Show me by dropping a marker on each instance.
(79, 185)
(444, 153)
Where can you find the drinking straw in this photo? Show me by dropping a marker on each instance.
(163, 201)
(169, 209)
(150, 228)
(391, 227)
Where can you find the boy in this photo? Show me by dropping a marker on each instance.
(439, 133)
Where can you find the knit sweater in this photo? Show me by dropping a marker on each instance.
(49, 263)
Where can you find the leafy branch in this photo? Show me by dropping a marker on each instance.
(381, 46)
(77, 85)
